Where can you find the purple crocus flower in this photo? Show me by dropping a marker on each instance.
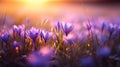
(16, 44)
(67, 28)
(103, 51)
(41, 33)
(33, 33)
(5, 37)
(87, 61)
(41, 58)
(58, 26)
(88, 27)
(46, 35)
(103, 26)
(18, 29)
(111, 28)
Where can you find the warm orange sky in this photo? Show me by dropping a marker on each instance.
(62, 11)
(103, 2)
(98, 1)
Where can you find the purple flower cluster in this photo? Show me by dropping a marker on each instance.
(18, 29)
(46, 35)
(5, 37)
(33, 33)
(65, 27)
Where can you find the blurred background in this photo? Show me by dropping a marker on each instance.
(19, 11)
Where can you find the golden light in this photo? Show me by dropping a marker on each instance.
(35, 2)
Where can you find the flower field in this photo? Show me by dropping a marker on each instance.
(61, 45)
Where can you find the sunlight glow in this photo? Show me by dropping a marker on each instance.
(35, 2)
